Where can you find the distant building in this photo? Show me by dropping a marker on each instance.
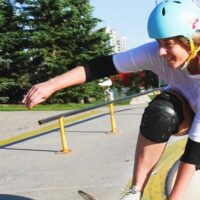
(118, 43)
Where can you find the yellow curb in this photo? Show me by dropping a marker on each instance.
(43, 129)
(155, 188)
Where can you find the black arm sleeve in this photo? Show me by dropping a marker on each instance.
(100, 67)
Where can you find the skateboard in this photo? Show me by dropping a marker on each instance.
(86, 196)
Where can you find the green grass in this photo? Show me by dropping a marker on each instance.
(51, 107)
(45, 107)
(125, 102)
(151, 96)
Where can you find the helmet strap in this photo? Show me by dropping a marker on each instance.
(193, 53)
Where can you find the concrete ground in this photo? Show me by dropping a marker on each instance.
(100, 163)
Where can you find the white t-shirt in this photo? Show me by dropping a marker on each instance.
(146, 57)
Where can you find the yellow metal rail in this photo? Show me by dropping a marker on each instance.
(63, 136)
(112, 118)
(60, 117)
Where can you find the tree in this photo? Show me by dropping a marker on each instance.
(151, 80)
(59, 35)
(135, 81)
(11, 43)
(86, 93)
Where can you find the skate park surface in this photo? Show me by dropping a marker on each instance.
(100, 162)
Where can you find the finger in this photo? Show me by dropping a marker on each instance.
(29, 94)
(34, 94)
(24, 99)
(34, 102)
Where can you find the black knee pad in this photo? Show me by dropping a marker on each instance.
(162, 118)
(191, 154)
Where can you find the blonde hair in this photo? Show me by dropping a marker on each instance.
(196, 42)
(195, 38)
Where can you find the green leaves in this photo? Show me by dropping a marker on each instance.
(40, 39)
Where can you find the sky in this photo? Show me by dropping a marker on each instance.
(127, 17)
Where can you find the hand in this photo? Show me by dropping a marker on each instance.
(38, 94)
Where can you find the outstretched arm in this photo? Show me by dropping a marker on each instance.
(96, 68)
(40, 92)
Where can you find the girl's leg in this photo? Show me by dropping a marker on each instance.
(186, 170)
(184, 176)
(146, 156)
(148, 152)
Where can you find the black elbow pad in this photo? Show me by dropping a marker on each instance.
(100, 67)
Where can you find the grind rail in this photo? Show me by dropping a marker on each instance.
(61, 117)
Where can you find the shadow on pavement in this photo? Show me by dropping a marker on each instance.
(13, 197)
(25, 149)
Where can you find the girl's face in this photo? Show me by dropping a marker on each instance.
(173, 51)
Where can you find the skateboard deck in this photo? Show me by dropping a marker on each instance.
(86, 196)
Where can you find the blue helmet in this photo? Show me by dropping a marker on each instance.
(172, 18)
